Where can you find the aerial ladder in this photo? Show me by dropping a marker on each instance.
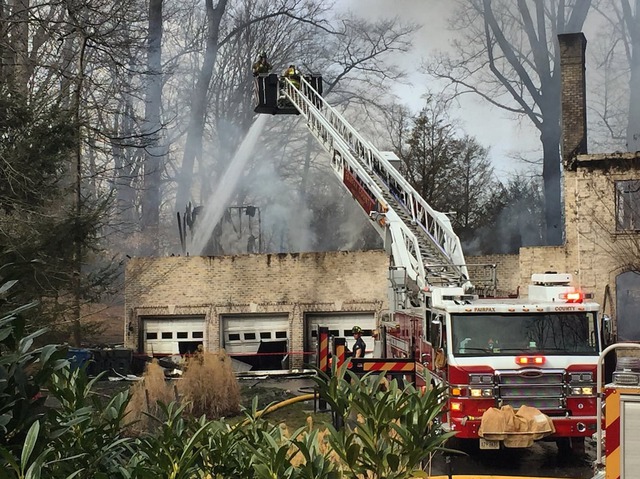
(424, 249)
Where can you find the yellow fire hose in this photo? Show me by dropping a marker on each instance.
(281, 404)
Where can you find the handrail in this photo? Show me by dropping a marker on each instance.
(347, 146)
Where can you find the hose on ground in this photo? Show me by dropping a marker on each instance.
(281, 404)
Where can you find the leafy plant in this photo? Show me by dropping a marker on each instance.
(86, 432)
(174, 450)
(23, 374)
(388, 432)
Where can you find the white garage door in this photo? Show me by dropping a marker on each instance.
(340, 325)
(243, 334)
(172, 335)
(256, 342)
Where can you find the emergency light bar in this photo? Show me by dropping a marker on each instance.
(575, 296)
(530, 360)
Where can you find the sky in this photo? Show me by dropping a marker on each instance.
(492, 127)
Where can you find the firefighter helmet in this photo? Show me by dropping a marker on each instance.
(356, 330)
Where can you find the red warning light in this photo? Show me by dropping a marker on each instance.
(575, 297)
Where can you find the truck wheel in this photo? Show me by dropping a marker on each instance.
(571, 445)
(461, 446)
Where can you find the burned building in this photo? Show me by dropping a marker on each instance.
(262, 309)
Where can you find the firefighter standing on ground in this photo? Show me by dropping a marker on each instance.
(358, 349)
(262, 65)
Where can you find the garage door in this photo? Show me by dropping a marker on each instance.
(260, 341)
(173, 335)
(339, 325)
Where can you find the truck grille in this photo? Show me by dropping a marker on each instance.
(543, 390)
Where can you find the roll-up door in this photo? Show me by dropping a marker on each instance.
(172, 335)
(340, 325)
(260, 341)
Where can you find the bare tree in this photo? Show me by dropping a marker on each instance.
(508, 55)
(619, 59)
(154, 155)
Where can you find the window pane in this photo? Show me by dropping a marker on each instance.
(167, 335)
(628, 205)
(281, 334)
(152, 335)
(249, 335)
(265, 335)
(234, 337)
(197, 334)
(182, 335)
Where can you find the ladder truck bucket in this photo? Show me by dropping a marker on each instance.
(269, 96)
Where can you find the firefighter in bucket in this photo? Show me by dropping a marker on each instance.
(262, 65)
(292, 74)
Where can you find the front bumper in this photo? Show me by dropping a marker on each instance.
(571, 426)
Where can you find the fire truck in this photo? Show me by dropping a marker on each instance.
(539, 351)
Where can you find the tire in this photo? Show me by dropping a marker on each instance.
(571, 445)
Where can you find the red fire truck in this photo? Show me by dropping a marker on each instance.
(539, 351)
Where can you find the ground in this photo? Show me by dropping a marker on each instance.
(268, 391)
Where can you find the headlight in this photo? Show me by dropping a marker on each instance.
(477, 393)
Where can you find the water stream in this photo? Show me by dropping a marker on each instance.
(218, 202)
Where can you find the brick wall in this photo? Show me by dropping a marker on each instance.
(296, 284)
(291, 284)
(598, 251)
(574, 108)
(507, 271)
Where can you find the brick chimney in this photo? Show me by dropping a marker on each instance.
(573, 95)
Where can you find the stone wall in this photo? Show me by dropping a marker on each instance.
(507, 271)
(599, 252)
(291, 284)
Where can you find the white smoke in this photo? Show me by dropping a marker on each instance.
(218, 202)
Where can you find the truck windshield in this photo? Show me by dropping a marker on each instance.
(509, 334)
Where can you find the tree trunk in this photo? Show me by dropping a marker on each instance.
(154, 154)
(193, 146)
(633, 27)
(20, 45)
(78, 249)
(128, 160)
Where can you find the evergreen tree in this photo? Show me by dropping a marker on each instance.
(38, 215)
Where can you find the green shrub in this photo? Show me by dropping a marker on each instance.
(23, 374)
(388, 432)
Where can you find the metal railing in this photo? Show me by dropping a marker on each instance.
(355, 155)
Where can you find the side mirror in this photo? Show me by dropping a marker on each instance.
(607, 330)
(437, 337)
